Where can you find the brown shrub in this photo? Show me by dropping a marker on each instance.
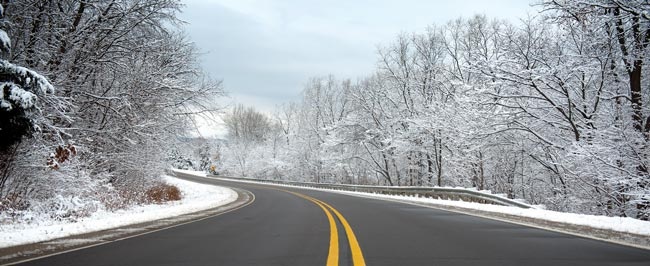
(163, 193)
(13, 202)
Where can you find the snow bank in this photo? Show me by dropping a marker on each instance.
(196, 197)
(190, 172)
(620, 224)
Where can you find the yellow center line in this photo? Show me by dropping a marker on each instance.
(333, 255)
(357, 255)
(355, 249)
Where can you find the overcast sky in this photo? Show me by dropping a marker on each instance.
(266, 50)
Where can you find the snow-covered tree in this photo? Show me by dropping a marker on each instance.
(26, 97)
(128, 84)
(20, 90)
(553, 109)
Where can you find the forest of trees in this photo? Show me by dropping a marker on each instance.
(552, 109)
(94, 95)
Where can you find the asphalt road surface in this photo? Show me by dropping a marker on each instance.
(305, 227)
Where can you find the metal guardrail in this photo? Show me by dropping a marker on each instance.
(447, 193)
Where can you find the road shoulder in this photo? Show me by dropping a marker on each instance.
(23, 253)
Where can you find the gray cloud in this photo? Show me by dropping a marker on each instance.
(265, 51)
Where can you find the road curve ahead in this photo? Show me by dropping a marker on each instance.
(306, 227)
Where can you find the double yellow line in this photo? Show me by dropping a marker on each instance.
(333, 255)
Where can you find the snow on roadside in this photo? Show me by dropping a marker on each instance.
(189, 172)
(620, 224)
(195, 197)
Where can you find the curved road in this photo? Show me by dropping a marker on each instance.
(294, 227)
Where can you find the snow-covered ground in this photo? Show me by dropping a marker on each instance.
(620, 224)
(195, 197)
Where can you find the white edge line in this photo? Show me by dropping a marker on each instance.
(405, 201)
(511, 221)
(137, 235)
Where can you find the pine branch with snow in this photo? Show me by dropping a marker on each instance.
(20, 89)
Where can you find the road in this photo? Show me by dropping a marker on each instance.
(301, 227)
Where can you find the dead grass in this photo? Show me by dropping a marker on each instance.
(163, 193)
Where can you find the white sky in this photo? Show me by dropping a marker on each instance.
(265, 50)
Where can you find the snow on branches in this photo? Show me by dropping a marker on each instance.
(20, 88)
